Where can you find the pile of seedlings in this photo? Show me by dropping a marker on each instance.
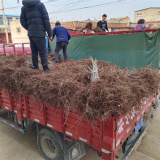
(96, 88)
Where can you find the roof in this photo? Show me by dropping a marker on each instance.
(147, 8)
(10, 15)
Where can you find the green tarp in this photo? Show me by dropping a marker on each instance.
(134, 50)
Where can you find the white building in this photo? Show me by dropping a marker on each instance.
(8, 19)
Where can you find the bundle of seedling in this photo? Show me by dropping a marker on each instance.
(96, 88)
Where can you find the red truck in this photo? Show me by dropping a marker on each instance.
(63, 134)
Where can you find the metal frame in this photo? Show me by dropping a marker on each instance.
(113, 33)
(14, 48)
(13, 126)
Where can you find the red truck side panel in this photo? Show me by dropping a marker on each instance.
(105, 137)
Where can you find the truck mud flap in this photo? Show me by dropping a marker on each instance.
(75, 152)
(126, 155)
(72, 150)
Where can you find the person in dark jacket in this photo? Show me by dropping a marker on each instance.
(62, 40)
(103, 23)
(34, 18)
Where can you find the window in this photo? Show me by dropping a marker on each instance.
(8, 20)
(18, 30)
(139, 14)
(1, 21)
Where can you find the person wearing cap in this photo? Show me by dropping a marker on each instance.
(63, 38)
(103, 23)
(34, 18)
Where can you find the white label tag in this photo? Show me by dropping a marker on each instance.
(70, 134)
(105, 151)
(84, 140)
(128, 130)
(36, 120)
(6, 107)
(118, 143)
(49, 125)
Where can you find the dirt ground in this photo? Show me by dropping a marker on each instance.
(16, 146)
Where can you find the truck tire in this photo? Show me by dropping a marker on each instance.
(49, 145)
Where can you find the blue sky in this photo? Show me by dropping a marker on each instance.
(69, 10)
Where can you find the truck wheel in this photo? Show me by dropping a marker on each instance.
(49, 145)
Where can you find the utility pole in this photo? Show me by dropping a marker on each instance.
(5, 23)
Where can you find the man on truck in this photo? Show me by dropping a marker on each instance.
(63, 38)
(103, 23)
(34, 18)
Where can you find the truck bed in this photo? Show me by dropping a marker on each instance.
(104, 137)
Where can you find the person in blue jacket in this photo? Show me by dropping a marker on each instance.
(63, 38)
(34, 18)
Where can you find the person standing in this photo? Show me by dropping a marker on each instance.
(34, 18)
(103, 23)
(63, 38)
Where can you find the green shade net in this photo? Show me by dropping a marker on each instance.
(134, 50)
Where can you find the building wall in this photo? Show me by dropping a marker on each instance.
(120, 21)
(2, 29)
(19, 34)
(8, 19)
(74, 24)
(2, 26)
(151, 14)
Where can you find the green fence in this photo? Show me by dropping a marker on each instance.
(134, 50)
